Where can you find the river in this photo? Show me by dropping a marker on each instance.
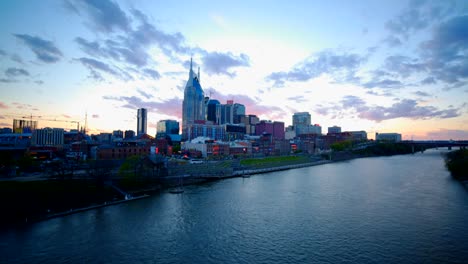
(399, 209)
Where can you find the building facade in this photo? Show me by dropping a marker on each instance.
(334, 130)
(193, 106)
(48, 137)
(204, 129)
(210, 112)
(167, 127)
(24, 126)
(142, 121)
(393, 137)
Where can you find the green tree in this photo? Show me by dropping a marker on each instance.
(457, 163)
(342, 145)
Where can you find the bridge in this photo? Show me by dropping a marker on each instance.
(427, 144)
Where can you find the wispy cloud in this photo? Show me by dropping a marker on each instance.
(405, 108)
(95, 67)
(340, 66)
(15, 72)
(106, 16)
(222, 63)
(3, 106)
(163, 107)
(45, 50)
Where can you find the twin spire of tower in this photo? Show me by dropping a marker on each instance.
(191, 71)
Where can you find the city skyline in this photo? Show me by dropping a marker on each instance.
(386, 66)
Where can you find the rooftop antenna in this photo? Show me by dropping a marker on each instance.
(86, 122)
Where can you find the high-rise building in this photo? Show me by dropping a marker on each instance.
(47, 137)
(301, 118)
(129, 134)
(334, 129)
(238, 112)
(229, 113)
(211, 110)
(117, 134)
(141, 121)
(250, 121)
(167, 127)
(24, 126)
(193, 106)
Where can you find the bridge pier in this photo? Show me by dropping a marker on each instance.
(449, 147)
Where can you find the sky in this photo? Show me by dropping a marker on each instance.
(379, 66)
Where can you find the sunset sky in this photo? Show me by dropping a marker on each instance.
(379, 66)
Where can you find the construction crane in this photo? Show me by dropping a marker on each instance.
(57, 120)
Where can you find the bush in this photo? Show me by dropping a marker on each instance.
(457, 163)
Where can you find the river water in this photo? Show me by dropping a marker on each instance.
(400, 209)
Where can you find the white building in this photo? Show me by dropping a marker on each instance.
(394, 137)
(47, 137)
(334, 130)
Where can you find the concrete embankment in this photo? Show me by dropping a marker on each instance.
(279, 168)
(195, 178)
(79, 210)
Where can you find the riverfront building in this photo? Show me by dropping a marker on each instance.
(211, 106)
(48, 137)
(142, 121)
(394, 137)
(193, 106)
(334, 130)
(166, 128)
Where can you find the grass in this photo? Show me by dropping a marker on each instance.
(274, 161)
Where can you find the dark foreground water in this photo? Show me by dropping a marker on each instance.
(401, 209)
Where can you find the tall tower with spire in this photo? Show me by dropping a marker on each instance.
(193, 106)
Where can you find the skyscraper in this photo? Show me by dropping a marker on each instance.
(141, 121)
(167, 127)
(193, 106)
(211, 106)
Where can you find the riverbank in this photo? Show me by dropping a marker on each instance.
(457, 163)
(26, 201)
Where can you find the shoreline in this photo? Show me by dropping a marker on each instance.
(170, 182)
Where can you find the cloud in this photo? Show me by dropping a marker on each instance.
(132, 46)
(423, 94)
(403, 65)
(95, 67)
(420, 14)
(252, 106)
(3, 80)
(144, 94)
(297, 99)
(428, 80)
(45, 50)
(221, 63)
(152, 73)
(384, 84)
(447, 51)
(165, 107)
(405, 108)
(15, 72)
(106, 16)
(92, 48)
(3, 106)
(444, 134)
(325, 62)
